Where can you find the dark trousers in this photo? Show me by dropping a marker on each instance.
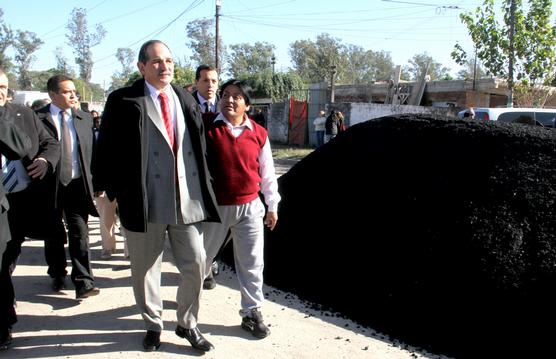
(8, 316)
(72, 206)
(16, 219)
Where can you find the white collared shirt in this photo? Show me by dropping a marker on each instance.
(55, 112)
(170, 93)
(202, 101)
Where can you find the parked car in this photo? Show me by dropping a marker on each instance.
(527, 115)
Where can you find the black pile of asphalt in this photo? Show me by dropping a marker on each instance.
(440, 233)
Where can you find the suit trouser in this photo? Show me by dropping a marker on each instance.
(16, 218)
(7, 311)
(72, 205)
(146, 251)
(245, 222)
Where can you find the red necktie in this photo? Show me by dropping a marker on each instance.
(165, 109)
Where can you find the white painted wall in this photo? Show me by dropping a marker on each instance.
(361, 112)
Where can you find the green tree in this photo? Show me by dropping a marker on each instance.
(82, 41)
(6, 40)
(526, 54)
(362, 66)
(277, 87)
(62, 65)
(419, 63)
(126, 57)
(248, 59)
(470, 71)
(88, 91)
(39, 78)
(26, 43)
(313, 60)
(202, 42)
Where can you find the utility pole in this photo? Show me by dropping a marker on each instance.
(512, 56)
(332, 75)
(217, 16)
(273, 62)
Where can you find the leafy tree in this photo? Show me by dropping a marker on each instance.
(202, 42)
(39, 78)
(62, 65)
(248, 59)
(88, 91)
(364, 66)
(313, 60)
(470, 71)
(6, 40)
(278, 86)
(82, 41)
(126, 57)
(526, 54)
(419, 63)
(26, 43)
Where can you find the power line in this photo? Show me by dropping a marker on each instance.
(155, 33)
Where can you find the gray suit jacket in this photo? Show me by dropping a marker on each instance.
(126, 165)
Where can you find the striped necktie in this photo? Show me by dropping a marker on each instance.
(66, 158)
(9, 175)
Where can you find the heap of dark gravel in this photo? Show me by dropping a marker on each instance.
(438, 232)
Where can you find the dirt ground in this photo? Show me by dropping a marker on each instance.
(56, 325)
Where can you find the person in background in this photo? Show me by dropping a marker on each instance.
(318, 122)
(151, 158)
(240, 161)
(259, 117)
(14, 144)
(206, 94)
(68, 193)
(107, 209)
(38, 104)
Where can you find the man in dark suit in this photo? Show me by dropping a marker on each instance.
(14, 144)
(69, 189)
(26, 173)
(206, 84)
(206, 95)
(151, 157)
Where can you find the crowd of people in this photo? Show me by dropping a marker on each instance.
(170, 164)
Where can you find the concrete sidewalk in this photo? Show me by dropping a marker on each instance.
(107, 326)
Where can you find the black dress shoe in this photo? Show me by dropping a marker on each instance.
(195, 338)
(5, 338)
(86, 292)
(209, 282)
(58, 283)
(151, 341)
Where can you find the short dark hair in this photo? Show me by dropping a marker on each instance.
(242, 85)
(203, 67)
(53, 83)
(143, 55)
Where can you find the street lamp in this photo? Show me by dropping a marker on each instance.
(332, 74)
(273, 62)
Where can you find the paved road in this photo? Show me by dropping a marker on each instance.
(53, 325)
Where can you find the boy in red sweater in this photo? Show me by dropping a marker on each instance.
(240, 161)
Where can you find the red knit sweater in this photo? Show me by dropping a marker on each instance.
(234, 162)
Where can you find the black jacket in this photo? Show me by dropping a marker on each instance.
(121, 160)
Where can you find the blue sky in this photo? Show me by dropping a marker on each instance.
(402, 28)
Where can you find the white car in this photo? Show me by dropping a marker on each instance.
(527, 115)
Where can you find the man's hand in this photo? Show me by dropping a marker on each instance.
(271, 219)
(38, 168)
